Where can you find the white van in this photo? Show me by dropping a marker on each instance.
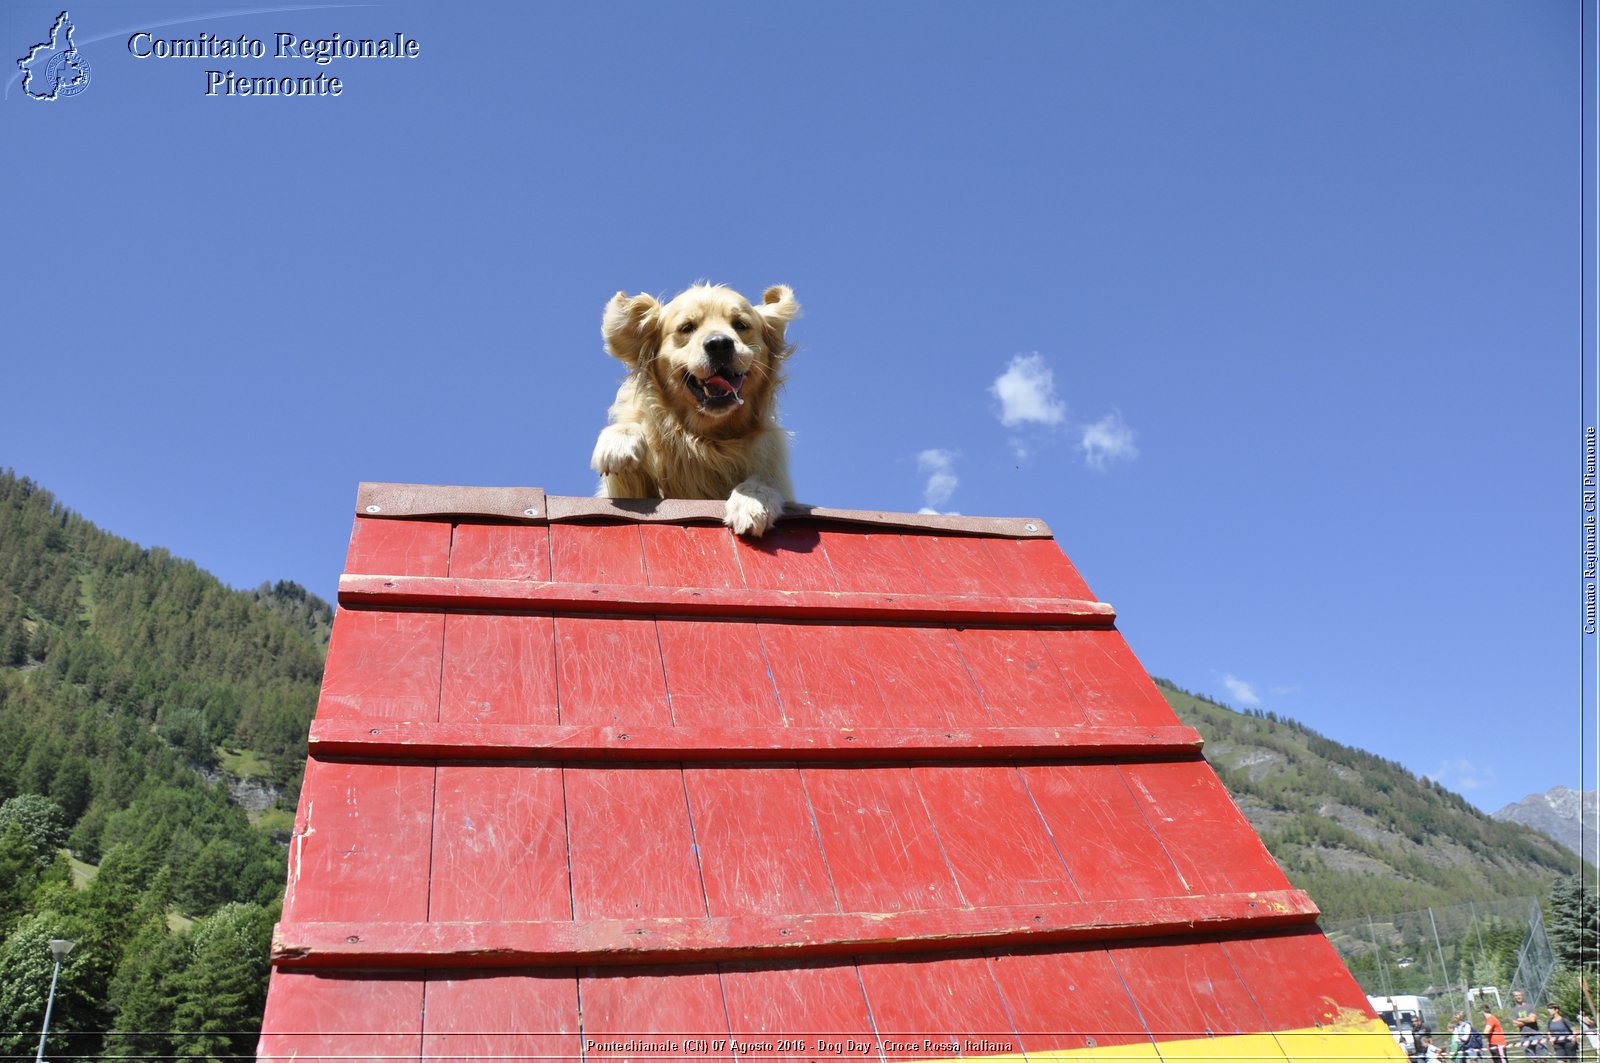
(1396, 1014)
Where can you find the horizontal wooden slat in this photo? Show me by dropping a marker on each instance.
(474, 741)
(505, 595)
(388, 500)
(560, 943)
(525, 504)
(685, 511)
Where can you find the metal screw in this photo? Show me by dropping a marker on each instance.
(374, 509)
(1031, 526)
(530, 512)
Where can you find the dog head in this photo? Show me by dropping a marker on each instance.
(713, 359)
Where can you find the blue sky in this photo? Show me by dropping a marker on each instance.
(1272, 310)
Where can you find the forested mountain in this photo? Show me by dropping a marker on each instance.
(1361, 834)
(125, 673)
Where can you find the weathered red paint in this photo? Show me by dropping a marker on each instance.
(784, 879)
(688, 738)
(589, 773)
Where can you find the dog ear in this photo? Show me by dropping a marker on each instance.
(778, 305)
(777, 309)
(629, 327)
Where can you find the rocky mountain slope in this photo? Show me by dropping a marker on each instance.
(1568, 816)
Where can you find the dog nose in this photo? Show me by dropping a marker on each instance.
(719, 346)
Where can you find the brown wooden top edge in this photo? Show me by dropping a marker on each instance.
(438, 500)
(395, 500)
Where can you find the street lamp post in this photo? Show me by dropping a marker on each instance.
(59, 947)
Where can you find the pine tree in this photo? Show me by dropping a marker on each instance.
(223, 992)
(1573, 920)
(143, 995)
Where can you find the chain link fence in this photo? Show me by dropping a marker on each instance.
(1462, 956)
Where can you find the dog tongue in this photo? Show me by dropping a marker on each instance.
(721, 386)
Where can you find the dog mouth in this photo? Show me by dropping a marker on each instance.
(720, 391)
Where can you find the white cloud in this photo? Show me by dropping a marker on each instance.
(1244, 693)
(1027, 393)
(1108, 440)
(1462, 775)
(939, 467)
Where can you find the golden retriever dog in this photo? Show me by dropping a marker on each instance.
(697, 415)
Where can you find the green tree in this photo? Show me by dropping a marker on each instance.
(143, 995)
(19, 875)
(223, 992)
(41, 821)
(1573, 921)
(25, 969)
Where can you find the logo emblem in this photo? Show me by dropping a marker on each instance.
(54, 69)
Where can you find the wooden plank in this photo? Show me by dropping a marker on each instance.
(597, 554)
(717, 675)
(1210, 842)
(784, 1012)
(498, 670)
(630, 846)
(472, 1016)
(499, 844)
(500, 551)
(673, 510)
(1212, 1003)
(998, 847)
(822, 674)
(573, 742)
(334, 1015)
(360, 842)
(609, 673)
(759, 850)
(1015, 676)
(883, 853)
(390, 592)
(1105, 678)
(1071, 1000)
(922, 678)
(1297, 979)
(399, 547)
(440, 500)
(1035, 568)
(876, 562)
(1099, 827)
(633, 1013)
(788, 558)
(382, 666)
(689, 556)
(937, 1008)
(594, 939)
(953, 565)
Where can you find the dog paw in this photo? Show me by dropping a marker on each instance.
(753, 507)
(617, 450)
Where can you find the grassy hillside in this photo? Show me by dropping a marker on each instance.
(1361, 834)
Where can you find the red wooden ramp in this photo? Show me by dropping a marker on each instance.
(599, 780)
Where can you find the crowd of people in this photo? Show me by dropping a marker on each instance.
(1557, 1041)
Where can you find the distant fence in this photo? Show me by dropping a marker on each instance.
(1461, 955)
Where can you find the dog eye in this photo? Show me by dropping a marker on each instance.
(740, 325)
(686, 328)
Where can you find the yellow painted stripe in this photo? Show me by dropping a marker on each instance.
(1354, 1040)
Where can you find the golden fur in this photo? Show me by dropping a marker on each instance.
(697, 415)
